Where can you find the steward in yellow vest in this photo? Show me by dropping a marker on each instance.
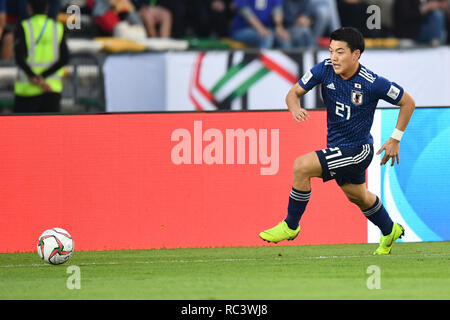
(40, 51)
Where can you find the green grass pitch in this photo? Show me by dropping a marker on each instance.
(412, 271)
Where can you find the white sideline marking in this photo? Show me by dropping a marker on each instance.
(37, 265)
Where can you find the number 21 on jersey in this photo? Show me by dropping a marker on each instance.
(343, 110)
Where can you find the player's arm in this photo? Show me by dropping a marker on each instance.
(293, 103)
(309, 80)
(392, 146)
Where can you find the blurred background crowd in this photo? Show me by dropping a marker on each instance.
(96, 29)
(286, 24)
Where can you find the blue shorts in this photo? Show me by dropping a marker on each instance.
(345, 164)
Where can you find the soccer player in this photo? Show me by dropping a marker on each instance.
(350, 92)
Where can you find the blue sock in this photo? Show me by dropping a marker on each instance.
(378, 215)
(297, 204)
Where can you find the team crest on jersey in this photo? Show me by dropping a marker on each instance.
(357, 97)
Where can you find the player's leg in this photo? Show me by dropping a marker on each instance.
(372, 207)
(359, 195)
(305, 168)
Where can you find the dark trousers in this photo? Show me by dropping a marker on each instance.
(197, 16)
(47, 102)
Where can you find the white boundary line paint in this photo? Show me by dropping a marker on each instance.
(181, 261)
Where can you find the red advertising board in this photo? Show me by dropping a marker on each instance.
(137, 181)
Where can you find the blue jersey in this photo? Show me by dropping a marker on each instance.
(261, 8)
(351, 102)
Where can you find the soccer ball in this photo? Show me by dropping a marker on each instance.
(55, 246)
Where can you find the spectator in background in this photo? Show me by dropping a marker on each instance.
(18, 8)
(260, 23)
(447, 21)
(39, 84)
(200, 18)
(54, 8)
(298, 19)
(353, 13)
(11, 13)
(422, 21)
(190, 18)
(222, 12)
(157, 19)
(6, 34)
(118, 18)
(326, 17)
(2, 16)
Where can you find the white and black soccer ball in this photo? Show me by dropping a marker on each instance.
(55, 246)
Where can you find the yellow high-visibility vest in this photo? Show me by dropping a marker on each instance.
(43, 37)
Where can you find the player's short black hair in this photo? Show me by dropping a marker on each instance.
(352, 36)
(38, 6)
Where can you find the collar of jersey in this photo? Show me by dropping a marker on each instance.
(357, 70)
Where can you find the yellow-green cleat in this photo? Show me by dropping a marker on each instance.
(386, 242)
(279, 233)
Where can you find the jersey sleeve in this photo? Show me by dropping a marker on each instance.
(388, 91)
(313, 77)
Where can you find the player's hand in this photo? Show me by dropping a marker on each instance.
(391, 148)
(300, 114)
